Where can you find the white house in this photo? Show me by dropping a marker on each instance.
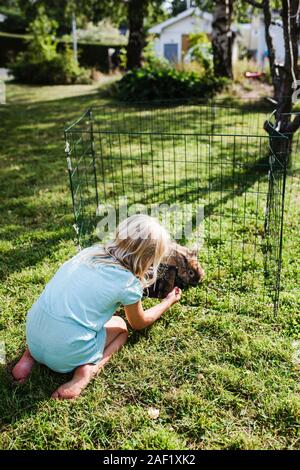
(252, 37)
(172, 35)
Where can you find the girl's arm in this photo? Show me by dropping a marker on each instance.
(139, 318)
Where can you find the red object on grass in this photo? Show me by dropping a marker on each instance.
(254, 74)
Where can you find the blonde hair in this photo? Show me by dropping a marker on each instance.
(139, 245)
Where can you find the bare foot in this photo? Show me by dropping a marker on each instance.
(116, 337)
(74, 387)
(23, 368)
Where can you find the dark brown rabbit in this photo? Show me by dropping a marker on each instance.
(190, 272)
(179, 268)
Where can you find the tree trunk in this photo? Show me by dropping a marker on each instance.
(284, 76)
(289, 73)
(271, 52)
(136, 13)
(222, 38)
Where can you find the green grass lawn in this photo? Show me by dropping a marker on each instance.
(221, 378)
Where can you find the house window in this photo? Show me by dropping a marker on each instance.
(171, 52)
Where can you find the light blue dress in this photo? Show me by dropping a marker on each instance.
(65, 326)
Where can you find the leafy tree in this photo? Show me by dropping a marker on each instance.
(178, 6)
(43, 42)
(55, 10)
(157, 13)
(42, 63)
(201, 50)
(133, 13)
(7, 5)
(205, 5)
(85, 10)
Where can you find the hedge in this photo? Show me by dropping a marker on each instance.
(90, 55)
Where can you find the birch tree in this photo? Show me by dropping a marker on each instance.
(222, 38)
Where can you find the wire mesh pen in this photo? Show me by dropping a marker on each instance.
(212, 155)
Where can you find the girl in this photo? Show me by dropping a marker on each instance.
(72, 325)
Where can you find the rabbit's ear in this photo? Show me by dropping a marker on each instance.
(194, 250)
(193, 253)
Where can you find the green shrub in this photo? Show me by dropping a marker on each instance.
(41, 63)
(201, 50)
(61, 69)
(165, 82)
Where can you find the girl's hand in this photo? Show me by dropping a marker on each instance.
(139, 319)
(174, 296)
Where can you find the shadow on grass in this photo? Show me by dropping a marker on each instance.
(22, 256)
(20, 401)
(36, 203)
(35, 164)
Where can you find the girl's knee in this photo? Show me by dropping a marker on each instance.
(123, 328)
(123, 331)
(125, 335)
(120, 324)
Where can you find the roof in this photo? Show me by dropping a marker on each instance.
(175, 19)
